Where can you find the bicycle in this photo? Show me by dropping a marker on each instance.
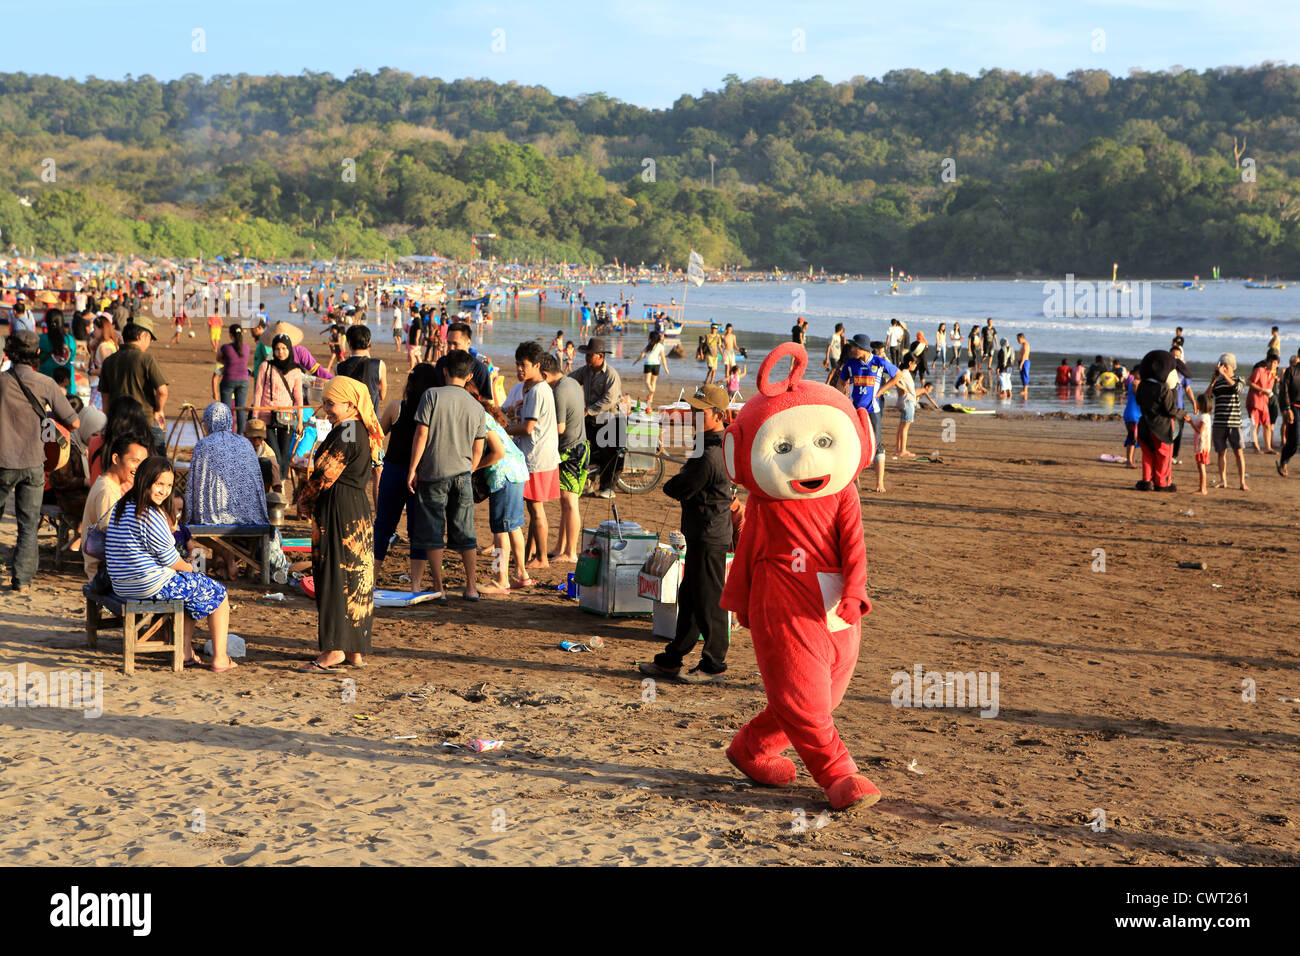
(642, 470)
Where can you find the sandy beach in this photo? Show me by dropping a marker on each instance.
(1121, 690)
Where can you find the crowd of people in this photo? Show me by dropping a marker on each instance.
(452, 439)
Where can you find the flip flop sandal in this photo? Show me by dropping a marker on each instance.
(315, 668)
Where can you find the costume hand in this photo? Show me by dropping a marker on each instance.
(849, 610)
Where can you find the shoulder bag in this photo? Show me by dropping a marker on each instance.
(58, 448)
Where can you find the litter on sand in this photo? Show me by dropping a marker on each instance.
(235, 646)
(913, 768)
(405, 737)
(476, 746)
(577, 646)
(1289, 700)
(363, 716)
(277, 596)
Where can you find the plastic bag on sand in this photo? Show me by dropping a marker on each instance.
(235, 646)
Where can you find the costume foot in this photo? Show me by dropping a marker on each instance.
(855, 790)
(769, 771)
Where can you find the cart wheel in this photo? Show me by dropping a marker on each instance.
(642, 475)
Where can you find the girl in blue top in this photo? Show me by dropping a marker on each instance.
(142, 561)
(506, 470)
(1132, 415)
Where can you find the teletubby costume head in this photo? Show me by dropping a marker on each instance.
(796, 439)
(798, 580)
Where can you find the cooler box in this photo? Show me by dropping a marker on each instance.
(664, 588)
(642, 440)
(619, 560)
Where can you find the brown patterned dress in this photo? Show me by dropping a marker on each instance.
(343, 551)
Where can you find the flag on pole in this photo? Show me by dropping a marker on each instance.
(695, 270)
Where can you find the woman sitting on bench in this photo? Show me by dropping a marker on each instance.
(225, 487)
(144, 565)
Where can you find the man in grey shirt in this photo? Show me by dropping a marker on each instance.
(602, 392)
(570, 405)
(442, 511)
(23, 431)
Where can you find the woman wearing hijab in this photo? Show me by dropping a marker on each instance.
(342, 533)
(225, 482)
(279, 385)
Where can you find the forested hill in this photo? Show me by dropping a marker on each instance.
(1168, 173)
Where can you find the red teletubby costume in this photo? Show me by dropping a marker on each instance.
(799, 577)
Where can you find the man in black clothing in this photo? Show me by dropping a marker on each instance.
(363, 367)
(1094, 371)
(1289, 406)
(459, 337)
(704, 490)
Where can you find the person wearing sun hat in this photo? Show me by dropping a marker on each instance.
(302, 356)
(602, 391)
(703, 488)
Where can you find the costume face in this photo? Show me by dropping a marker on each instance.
(809, 451)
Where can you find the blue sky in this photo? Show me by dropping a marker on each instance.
(647, 52)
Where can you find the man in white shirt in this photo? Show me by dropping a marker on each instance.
(894, 342)
(537, 435)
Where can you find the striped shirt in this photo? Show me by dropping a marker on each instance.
(140, 554)
(1227, 402)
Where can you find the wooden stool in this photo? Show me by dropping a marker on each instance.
(168, 621)
(65, 530)
(246, 535)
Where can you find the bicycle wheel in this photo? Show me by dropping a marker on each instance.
(641, 473)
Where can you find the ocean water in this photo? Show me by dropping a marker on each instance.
(1223, 317)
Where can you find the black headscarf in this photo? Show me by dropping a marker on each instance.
(283, 365)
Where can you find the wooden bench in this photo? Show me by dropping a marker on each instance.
(140, 622)
(228, 534)
(65, 532)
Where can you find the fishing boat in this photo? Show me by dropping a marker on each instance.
(1264, 285)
